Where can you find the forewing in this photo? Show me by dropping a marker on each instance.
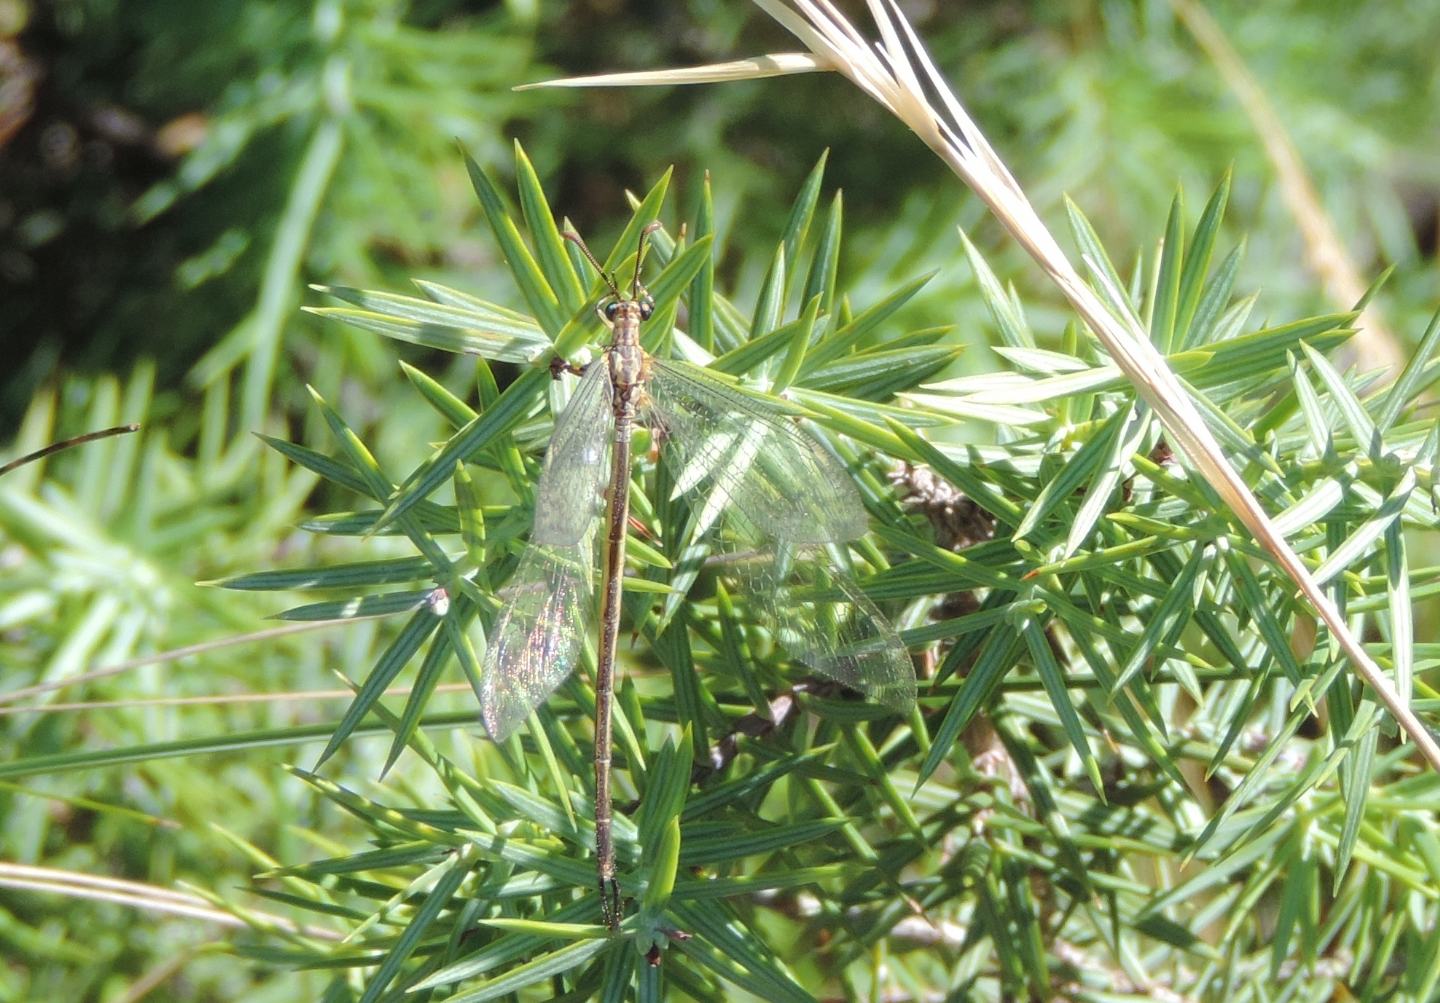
(577, 463)
(781, 498)
(539, 634)
(749, 458)
(548, 602)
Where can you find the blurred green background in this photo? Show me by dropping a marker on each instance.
(173, 175)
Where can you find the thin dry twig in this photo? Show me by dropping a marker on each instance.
(70, 443)
(138, 895)
(162, 657)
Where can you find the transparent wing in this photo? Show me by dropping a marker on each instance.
(821, 617)
(539, 634)
(753, 460)
(548, 602)
(780, 498)
(577, 463)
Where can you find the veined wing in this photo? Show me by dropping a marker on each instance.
(753, 459)
(577, 462)
(548, 602)
(782, 498)
(823, 619)
(539, 634)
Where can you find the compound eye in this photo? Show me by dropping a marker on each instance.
(647, 307)
(611, 309)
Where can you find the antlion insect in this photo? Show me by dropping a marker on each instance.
(743, 463)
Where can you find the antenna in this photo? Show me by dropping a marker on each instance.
(640, 256)
(644, 244)
(579, 242)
